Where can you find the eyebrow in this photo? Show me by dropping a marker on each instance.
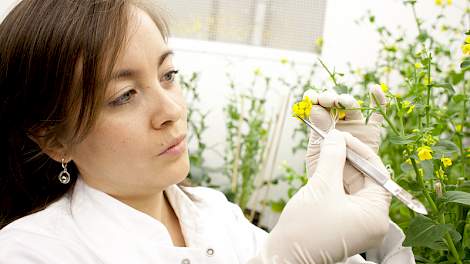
(128, 73)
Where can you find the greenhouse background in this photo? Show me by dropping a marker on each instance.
(229, 52)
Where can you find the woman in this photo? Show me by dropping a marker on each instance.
(94, 153)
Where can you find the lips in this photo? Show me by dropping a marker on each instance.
(173, 144)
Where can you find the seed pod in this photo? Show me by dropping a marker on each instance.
(438, 189)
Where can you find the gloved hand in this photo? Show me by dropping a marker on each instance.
(321, 223)
(353, 123)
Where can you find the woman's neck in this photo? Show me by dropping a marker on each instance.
(159, 207)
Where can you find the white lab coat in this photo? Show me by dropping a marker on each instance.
(89, 226)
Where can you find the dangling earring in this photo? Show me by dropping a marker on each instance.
(64, 176)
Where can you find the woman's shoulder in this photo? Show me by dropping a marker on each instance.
(50, 224)
(33, 238)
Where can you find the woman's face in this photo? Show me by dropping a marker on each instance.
(128, 151)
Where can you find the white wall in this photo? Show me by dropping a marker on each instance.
(347, 42)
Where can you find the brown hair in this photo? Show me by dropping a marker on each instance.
(56, 56)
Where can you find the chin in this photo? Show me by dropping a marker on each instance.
(183, 168)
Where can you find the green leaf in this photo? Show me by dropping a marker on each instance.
(423, 232)
(457, 197)
(399, 140)
(278, 206)
(458, 98)
(465, 63)
(446, 86)
(466, 240)
(428, 168)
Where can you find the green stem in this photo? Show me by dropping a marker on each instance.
(400, 115)
(418, 25)
(447, 237)
(452, 248)
(464, 114)
(332, 76)
(381, 111)
(421, 183)
(428, 99)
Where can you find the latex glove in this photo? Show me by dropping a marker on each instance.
(353, 123)
(321, 223)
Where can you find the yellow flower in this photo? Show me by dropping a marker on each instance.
(418, 65)
(438, 2)
(466, 49)
(410, 109)
(458, 128)
(467, 40)
(257, 71)
(319, 42)
(427, 81)
(302, 108)
(360, 102)
(405, 104)
(341, 114)
(284, 60)
(446, 162)
(384, 87)
(425, 153)
(449, 2)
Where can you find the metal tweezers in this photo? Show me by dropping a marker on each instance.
(380, 176)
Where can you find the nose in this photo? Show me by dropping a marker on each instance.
(169, 108)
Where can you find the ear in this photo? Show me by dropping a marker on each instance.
(49, 143)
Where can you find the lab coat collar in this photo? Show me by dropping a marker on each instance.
(119, 233)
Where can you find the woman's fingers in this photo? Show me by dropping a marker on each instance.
(352, 107)
(329, 170)
(330, 99)
(377, 96)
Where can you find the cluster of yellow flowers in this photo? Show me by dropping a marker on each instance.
(425, 153)
(429, 139)
(407, 104)
(302, 108)
(466, 46)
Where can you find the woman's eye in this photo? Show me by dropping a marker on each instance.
(170, 76)
(124, 98)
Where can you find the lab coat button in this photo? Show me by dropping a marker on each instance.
(185, 261)
(210, 252)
